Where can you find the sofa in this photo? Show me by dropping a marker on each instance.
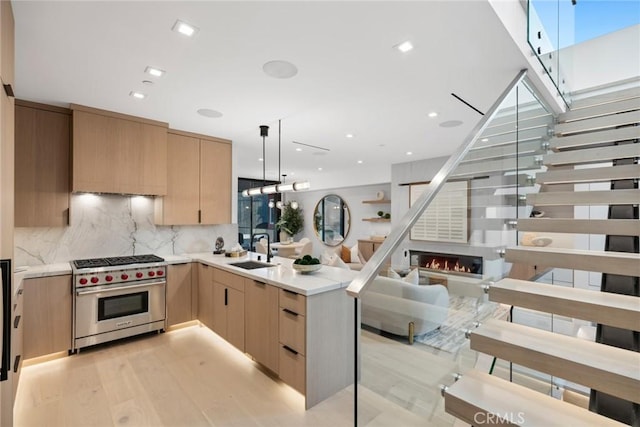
(391, 305)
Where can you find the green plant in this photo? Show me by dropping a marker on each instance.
(291, 221)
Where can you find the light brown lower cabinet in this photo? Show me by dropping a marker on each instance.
(205, 295)
(292, 339)
(179, 298)
(228, 307)
(261, 323)
(47, 315)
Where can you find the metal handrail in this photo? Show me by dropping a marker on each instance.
(391, 243)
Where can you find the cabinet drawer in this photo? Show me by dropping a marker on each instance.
(293, 369)
(292, 330)
(229, 279)
(292, 301)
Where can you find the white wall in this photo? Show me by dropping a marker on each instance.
(353, 196)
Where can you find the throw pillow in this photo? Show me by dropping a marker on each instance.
(355, 254)
(327, 256)
(413, 277)
(337, 262)
(345, 254)
(391, 273)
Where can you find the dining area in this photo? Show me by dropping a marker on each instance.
(289, 249)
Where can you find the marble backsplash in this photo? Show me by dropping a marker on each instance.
(114, 225)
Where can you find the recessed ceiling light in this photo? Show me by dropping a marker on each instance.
(137, 95)
(209, 113)
(484, 140)
(155, 72)
(320, 169)
(359, 162)
(349, 135)
(147, 82)
(450, 124)
(298, 149)
(433, 114)
(184, 28)
(260, 159)
(404, 47)
(409, 153)
(280, 69)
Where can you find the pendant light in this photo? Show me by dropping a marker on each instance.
(281, 187)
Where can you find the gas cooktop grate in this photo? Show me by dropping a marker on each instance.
(120, 260)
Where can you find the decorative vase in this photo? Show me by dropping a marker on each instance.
(285, 237)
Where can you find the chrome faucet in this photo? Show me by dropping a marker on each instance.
(253, 236)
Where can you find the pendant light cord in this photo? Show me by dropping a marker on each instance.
(264, 164)
(279, 151)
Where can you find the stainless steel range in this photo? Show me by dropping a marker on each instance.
(117, 297)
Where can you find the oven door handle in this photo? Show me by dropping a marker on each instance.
(119, 288)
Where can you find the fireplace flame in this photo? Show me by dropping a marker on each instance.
(435, 264)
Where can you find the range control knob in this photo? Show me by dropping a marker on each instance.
(139, 275)
(94, 280)
(160, 273)
(152, 273)
(83, 281)
(124, 276)
(108, 278)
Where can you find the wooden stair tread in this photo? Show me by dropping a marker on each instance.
(504, 151)
(607, 97)
(602, 367)
(621, 311)
(594, 138)
(592, 155)
(622, 263)
(480, 393)
(609, 173)
(612, 227)
(496, 166)
(566, 198)
(605, 122)
(510, 138)
(600, 110)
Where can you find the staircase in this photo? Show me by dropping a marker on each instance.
(604, 128)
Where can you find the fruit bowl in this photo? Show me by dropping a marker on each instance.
(306, 269)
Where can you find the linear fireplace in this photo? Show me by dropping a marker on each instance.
(468, 265)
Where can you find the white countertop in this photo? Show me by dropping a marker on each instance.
(282, 275)
(46, 270)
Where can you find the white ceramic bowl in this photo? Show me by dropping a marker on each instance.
(306, 269)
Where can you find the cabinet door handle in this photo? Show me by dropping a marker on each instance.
(259, 283)
(226, 296)
(293, 313)
(290, 292)
(20, 291)
(16, 322)
(16, 363)
(286, 347)
(199, 216)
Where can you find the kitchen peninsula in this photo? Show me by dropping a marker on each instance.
(299, 326)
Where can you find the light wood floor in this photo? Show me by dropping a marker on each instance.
(191, 377)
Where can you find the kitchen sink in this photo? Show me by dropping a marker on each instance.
(250, 265)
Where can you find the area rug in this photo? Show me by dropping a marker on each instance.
(463, 313)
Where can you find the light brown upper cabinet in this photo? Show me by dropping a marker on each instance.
(7, 51)
(43, 136)
(116, 153)
(198, 181)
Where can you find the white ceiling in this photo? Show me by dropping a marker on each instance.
(350, 79)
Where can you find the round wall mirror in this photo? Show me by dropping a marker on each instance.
(331, 220)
